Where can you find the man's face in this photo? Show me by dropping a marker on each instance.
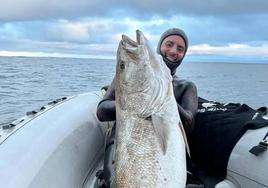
(173, 48)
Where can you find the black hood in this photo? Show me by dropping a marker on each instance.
(173, 31)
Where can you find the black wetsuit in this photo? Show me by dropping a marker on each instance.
(185, 93)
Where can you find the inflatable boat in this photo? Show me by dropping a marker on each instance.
(61, 145)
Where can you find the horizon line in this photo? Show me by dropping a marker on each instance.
(189, 57)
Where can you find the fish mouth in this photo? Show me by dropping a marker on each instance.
(129, 41)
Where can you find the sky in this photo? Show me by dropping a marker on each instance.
(218, 30)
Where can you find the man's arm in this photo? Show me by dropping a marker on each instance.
(106, 107)
(187, 101)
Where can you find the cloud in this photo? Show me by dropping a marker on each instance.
(19, 10)
(228, 30)
(67, 9)
(82, 21)
(92, 35)
(54, 54)
(95, 27)
(66, 31)
(230, 50)
(84, 31)
(60, 49)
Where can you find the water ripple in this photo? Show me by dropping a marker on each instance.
(28, 83)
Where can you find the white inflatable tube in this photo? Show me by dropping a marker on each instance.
(58, 147)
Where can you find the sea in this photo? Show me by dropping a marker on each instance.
(27, 83)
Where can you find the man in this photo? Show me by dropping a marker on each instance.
(172, 46)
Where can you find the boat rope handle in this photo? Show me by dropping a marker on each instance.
(261, 147)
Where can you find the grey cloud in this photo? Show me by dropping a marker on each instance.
(41, 9)
(80, 32)
(18, 10)
(212, 30)
(231, 29)
(215, 22)
(59, 47)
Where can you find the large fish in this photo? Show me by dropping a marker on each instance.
(150, 149)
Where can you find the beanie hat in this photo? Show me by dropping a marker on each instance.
(172, 31)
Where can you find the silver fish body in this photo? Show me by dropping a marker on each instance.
(150, 150)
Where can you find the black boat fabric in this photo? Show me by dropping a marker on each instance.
(217, 129)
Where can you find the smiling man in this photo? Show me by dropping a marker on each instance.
(173, 46)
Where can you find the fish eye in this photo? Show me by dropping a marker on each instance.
(122, 65)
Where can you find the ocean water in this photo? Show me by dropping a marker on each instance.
(29, 83)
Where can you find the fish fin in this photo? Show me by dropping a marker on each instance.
(161, 130)
(185, 139)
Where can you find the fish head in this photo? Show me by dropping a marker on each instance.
(142, 78)
(132, 64)
(138, 64)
